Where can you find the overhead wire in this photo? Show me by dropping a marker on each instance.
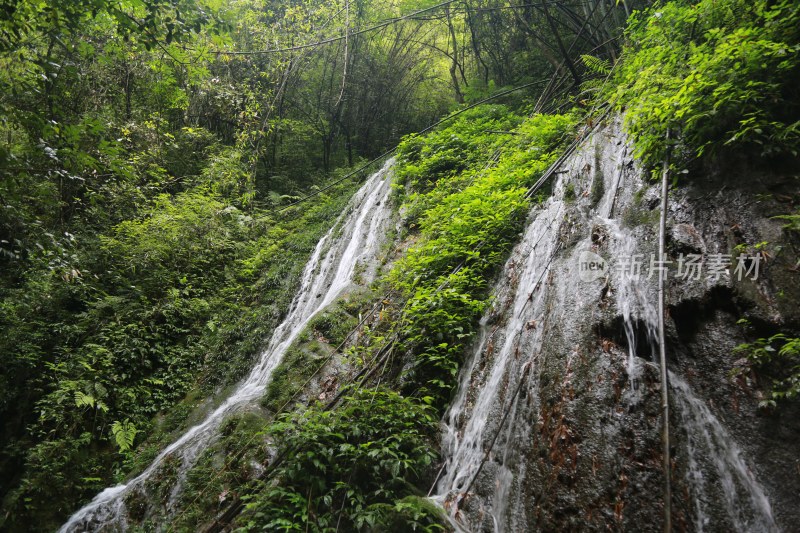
(380, 25)
(330, 40)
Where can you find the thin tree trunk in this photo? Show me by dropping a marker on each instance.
(570, 66)
(662, 351)
(454, 63)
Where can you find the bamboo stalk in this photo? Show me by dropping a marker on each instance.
(662, 347)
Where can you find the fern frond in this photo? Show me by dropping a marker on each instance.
(124, 434)
(595, 64)
(84, 400)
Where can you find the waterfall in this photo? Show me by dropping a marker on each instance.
(354, 240)
(745, 502)
(463, 441)
(542, 314)
(635, 300)
(509, 351)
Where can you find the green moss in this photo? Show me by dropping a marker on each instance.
(598, 189)
(325, 332)
(299, 363)
(569, 192)
(638, 215)
(332, 325)
(224, 469)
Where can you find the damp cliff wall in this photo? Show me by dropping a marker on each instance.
(556, 423)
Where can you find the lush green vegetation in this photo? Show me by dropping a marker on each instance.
(351, 469)
(323, 335)
(149, 154)
(166, 303)
(462, 193)
(719, 75)
(365, 464)
(466, 213)
(722, 78)
(779, 355)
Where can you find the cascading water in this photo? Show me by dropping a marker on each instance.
(470, 421)
(746, 504)
(354, 240)
(503, 425)
(634, 298)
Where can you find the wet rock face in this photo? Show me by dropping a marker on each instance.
(568, 424)
(732, 212)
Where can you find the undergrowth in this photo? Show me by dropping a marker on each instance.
(352, 469)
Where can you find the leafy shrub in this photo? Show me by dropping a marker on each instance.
(446, 152)
(718, 73)
(344, 467)
(780, 353)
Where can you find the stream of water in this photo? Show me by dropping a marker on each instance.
(746, 505)
(486, 434)
(354, 240)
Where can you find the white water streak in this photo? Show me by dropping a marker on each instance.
(463, 445)
(745, 501)
(329, 271)
(635, 297)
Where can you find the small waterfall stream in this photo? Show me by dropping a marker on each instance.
(746, 504)
(541, 303)
(470, 421)
(354, 240)
(534, 280)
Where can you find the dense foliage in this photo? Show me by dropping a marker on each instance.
(164, 303)
(722, 78)
(717, 74)
(352, 469)
(148, 149)
(779, 355)
(467, 213)
(364, 465)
